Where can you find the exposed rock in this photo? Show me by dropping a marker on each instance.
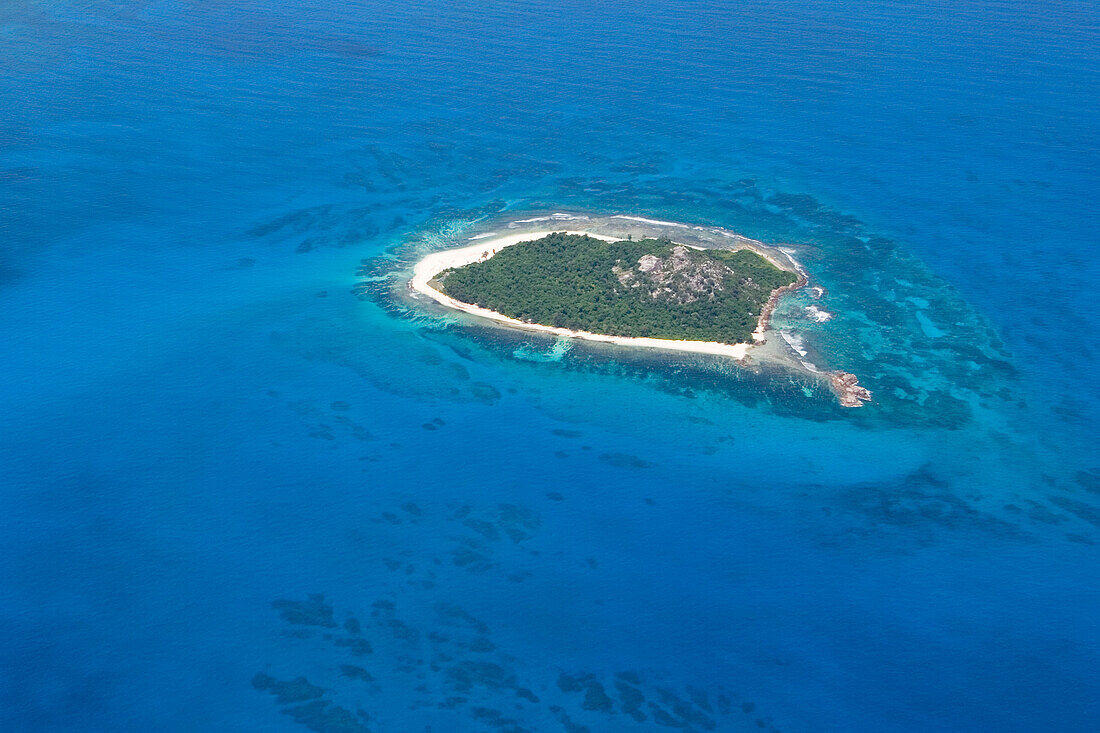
(648, 263)
(847, 389)
(683, 276)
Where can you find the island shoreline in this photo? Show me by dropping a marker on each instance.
(428, 268)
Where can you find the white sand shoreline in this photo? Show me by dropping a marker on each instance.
(435, 263)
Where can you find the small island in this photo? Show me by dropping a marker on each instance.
(649, 288)
(650, 291)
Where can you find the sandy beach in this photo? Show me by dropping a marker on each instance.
(435, 263)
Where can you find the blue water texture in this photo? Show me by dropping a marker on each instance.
(245, 487)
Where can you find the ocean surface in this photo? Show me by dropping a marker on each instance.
(247, 485)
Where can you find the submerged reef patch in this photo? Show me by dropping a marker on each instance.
(451, 671)
(434, 661)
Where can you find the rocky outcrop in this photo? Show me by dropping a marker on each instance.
(683, 276)
(847, 389)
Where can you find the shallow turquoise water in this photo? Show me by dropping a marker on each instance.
(208, 419)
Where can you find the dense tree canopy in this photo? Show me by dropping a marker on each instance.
(647, 288)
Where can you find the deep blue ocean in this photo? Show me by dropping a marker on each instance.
(245, 487)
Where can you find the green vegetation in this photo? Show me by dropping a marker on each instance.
(646, 288)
